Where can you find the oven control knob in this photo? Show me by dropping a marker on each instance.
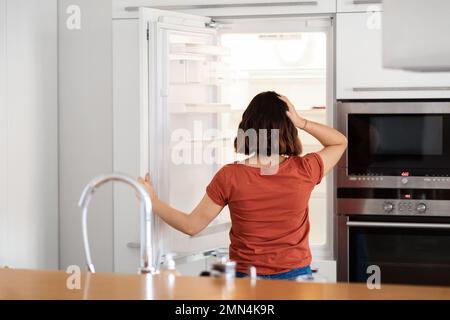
(388, 207)
(421, 208)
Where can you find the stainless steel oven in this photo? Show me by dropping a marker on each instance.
(393, 191)
(406, 249)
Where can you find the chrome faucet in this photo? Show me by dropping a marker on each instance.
(146, 218)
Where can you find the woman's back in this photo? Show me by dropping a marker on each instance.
(269, 208)
(269, 212)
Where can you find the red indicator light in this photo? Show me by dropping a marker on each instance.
(407, 196)
(405, 174)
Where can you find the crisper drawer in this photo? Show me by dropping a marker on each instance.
(359, 5)
(247, 7)
(360, 72)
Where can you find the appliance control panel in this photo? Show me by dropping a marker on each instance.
(344, 180)
(400, 207)
(405, 207)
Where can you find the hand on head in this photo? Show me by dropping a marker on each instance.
(292, 114)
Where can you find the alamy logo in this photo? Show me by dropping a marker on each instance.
(209, 146)
(374, 17)
(73, 281)
(73, 21)
(374, 280)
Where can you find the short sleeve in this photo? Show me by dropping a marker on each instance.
(314, 165)
(217, 189)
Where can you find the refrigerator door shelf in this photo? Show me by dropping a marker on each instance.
(214, 228)
(187, 57)
(200, 49)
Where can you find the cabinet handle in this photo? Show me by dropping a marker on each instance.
(398, 225)
(376, 89)
(230, 5)
(133, 245)
(367, 1)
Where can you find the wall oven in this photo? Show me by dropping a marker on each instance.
(393, 191)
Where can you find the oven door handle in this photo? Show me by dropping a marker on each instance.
(398, 225)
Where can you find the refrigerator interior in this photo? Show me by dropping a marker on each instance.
(211, 79)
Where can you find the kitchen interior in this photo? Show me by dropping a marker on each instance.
(93, 94)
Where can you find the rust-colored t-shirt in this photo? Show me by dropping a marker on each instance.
(269, 212)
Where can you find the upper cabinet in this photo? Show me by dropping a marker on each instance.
(359, 64)
(423, 27)
(224, 8)
(359, 5)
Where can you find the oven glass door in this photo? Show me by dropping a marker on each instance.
(406, 253)
(396, 144)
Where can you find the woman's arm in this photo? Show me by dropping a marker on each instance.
(333, 141)
(190, 224)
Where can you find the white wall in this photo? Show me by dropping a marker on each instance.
(86, 134)
(28, 134)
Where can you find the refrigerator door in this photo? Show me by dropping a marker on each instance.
(181, 72)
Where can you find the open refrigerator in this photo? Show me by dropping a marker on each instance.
(196, 76)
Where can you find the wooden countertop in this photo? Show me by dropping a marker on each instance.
(50, 285)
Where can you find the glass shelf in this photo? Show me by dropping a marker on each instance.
(181, 108)
(198, 49)
(305, 112)
(283, 74)
(203, 83)
(187, 57)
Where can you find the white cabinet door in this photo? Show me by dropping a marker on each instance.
(360, 71)
(423, 27)
(359, 5)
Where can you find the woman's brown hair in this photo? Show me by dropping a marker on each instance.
(265, 113)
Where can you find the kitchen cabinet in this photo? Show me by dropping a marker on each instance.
(222, 8)
(28, 134)
(359, 64)
(423, 27)
(359, 5)
(3, 130)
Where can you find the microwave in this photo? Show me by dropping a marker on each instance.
(395, 144)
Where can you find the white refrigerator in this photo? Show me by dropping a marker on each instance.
(181, 84)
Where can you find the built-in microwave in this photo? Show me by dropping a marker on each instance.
(395, 144)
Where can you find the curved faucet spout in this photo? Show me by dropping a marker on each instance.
(146, 218)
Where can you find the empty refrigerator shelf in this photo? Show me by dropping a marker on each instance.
(280, 74)
(199, 108)
(307, 112)
(213, 83)
(187, 56)
(313, 112)
(209, 139)
(198, 49)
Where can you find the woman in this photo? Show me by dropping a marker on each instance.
(269, 212)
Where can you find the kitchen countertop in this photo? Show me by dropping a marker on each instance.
(50, 285)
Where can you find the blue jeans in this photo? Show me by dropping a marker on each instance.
(289, 275)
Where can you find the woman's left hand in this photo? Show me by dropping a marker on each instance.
(148, 186)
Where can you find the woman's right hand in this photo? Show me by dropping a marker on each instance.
(292, 114)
